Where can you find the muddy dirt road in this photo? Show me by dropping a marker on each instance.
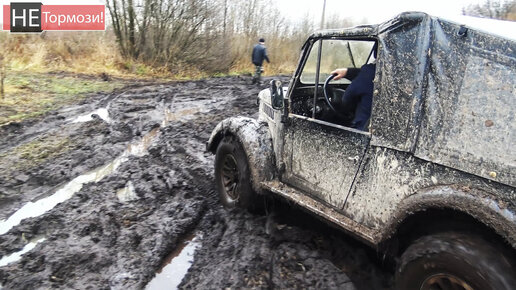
(108, 200)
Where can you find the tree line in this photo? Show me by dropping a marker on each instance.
(496, 9)
(205, 33)
(184, 37)
(214, 35)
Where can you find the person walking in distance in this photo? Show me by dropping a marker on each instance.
(259, 54)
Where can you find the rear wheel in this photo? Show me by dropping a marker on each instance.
(232, 176)
(454, 261)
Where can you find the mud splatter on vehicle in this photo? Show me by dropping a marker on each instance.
(402, 151)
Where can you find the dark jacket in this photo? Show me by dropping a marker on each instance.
(359, 94)
(259, 54)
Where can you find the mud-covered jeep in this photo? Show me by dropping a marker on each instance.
(432, 178)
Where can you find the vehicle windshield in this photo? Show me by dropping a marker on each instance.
(336, 53)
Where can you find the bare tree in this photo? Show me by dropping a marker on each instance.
(210, 35)
(497, 9)
(336, 21)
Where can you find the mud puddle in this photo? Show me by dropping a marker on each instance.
(102, 113)
(176, 265)
(127, 193)
(14, 257)
(38, 208)
(183, 111)
(182, 115)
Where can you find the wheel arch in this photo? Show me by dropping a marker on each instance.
(255, 138)
(449, 208)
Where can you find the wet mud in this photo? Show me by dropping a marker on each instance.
(118, 229)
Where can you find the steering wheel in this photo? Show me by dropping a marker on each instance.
(326, 93)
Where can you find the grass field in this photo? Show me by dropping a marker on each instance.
(31, 94)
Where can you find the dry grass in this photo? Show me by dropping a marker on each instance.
(97, 52)
(79, 52)
(51, 70)
(76, 52)
(33, 88)
(31, 94)
(34, 153)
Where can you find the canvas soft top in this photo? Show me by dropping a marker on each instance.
(444, 91)
(502, 28)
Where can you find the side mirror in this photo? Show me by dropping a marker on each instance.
(276, 94)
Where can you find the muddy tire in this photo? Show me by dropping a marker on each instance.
(454, 261)
(233, 177)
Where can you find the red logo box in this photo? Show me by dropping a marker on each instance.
(66, 17)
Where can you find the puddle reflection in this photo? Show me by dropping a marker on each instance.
(35, 209)
(102, 113)
(14, 257)
(182, 115)
(140, 148)
(176, 265)
(127, 193)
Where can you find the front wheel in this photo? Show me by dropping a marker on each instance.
(454, 261)
(233, 177)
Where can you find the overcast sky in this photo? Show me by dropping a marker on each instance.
(370, 11)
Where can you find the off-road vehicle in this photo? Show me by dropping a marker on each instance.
(432, 178)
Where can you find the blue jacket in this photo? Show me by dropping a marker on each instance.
(359, 94)
(259, 54)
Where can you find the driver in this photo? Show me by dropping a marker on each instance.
(359, 94)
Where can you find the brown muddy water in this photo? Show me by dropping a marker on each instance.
(116, 206)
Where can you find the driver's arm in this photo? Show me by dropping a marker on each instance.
(349, 73)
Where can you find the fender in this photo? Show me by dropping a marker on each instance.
(476, 203)
(255, 137)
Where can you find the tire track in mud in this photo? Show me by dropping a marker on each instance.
(95, 240)
(71, 146)
(83, 207)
